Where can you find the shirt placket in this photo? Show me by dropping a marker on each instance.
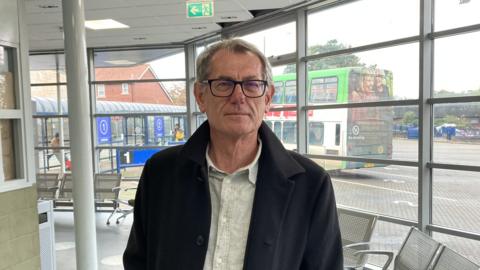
(223, 231)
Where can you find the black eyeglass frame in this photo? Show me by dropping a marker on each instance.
(209, 82)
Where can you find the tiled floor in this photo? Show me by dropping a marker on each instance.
(111, 241)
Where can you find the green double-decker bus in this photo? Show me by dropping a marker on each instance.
(359, 132)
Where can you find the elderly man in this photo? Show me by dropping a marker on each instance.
(232, 197)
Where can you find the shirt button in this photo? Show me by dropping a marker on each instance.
(200, 240)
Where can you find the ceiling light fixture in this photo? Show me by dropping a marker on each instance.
(120, 62)
(104, 24)
(48, 6)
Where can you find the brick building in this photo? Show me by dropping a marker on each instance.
(138, 92)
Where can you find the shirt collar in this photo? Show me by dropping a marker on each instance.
(252, 167)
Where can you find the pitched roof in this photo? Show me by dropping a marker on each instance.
(120, 73)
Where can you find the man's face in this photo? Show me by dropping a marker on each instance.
(237, 115)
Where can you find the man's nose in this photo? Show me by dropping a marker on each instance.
(238, 92)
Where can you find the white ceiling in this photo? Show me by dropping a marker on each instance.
(150, 21)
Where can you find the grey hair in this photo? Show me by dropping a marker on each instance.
(235, 45)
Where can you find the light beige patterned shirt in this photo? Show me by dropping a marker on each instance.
(232, 200)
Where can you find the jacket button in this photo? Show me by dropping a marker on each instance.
(200, 240)
(200, 179)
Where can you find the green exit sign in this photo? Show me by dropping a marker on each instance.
(199, 9)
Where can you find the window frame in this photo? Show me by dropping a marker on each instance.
(17, 116)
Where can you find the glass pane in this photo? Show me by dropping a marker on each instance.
(46, 128)
(141, 130)
(7, 85)
(456, 200)
(149, 94)
(456, 13)
(364, 22)
(275, 41)
(284, 79)
(384, 189)
(47, 68)
(457, 133)
(377, 132)
(456, 74)
(45, 100)
(139, 64)
(109, 163)
(466, 247)
(8, 171)
(284, 125)
(367, 76)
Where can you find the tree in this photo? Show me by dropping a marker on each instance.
(178, 94)
(410, 118)
(337, 61)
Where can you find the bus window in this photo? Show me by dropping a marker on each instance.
(324, 90)
(290, 92)
(315, 133)
(277, 97)
(337, 134)
(269, 124)
(289, 132)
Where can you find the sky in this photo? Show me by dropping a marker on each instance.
(370, 21)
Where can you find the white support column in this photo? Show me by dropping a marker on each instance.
(80, 134)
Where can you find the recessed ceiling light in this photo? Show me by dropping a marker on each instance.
(120, 62)
(228, 17)
(48, 6)
(104, 24)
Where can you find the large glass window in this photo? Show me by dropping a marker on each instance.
(47, 68)
(456, 13)
(360, 23)
(377, 75)
(457, 133)
(50, 112)
(269, 40)
(456, 74)
(386, 189)
(371, 132)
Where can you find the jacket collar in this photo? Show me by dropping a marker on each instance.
(272, 149)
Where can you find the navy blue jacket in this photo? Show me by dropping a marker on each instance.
(294, 222)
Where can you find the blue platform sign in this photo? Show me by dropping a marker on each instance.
(159, 127)
(104, 131)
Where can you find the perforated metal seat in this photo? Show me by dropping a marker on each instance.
(356, 229)
(47, 186)
(450, 260)
(417, 252)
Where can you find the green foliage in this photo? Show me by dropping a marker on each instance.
(337, 61)
(410, 118)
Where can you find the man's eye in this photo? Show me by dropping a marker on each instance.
(224, 84)
(251, 84)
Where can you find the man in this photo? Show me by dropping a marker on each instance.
(232, 197)
(55, 143)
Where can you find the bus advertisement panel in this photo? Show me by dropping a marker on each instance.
(359, 132)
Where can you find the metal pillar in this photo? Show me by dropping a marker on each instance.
(80, 134)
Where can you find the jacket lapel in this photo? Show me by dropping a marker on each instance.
(272, 196)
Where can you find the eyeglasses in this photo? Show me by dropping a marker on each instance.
(224, 88)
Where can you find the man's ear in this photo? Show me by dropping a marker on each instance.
(268, 97)
(199, 92)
